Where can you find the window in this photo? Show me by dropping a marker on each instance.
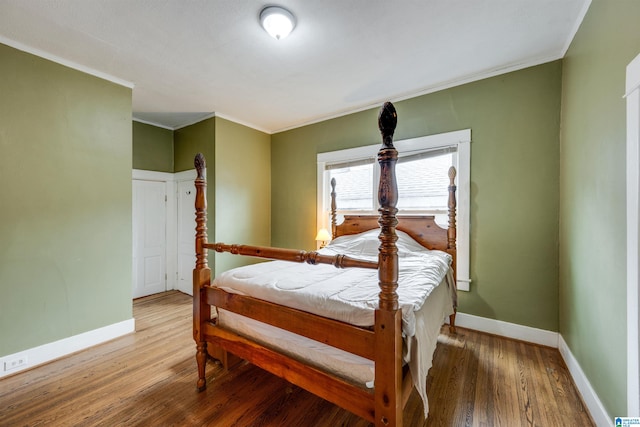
(422, 177)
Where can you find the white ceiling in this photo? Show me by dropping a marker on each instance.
(190, 59)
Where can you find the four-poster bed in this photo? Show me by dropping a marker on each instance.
(336, 312)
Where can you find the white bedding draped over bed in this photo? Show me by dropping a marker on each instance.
(350, 295)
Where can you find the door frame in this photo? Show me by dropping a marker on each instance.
(171, 220)
(632, 95)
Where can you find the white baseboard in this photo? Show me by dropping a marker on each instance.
(509, 330)
(57, 349)
(589, 396)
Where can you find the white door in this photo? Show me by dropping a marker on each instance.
(186, 235)
(149, 237)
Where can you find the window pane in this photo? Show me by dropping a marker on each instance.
(423, 183)
(354, 189)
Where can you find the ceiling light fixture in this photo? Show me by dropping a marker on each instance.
(276, 21)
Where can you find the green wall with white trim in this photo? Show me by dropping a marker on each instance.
(593, 196)
(65, 216)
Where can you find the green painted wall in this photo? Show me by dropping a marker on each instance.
(514, 184)
(593, 198)
(152, 148)
(191, 140)
(65, 220)
(243, 189)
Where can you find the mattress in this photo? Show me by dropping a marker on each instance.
(348, 295)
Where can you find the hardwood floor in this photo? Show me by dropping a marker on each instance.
(149, 379)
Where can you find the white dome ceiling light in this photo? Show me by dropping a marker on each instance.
(276, 21)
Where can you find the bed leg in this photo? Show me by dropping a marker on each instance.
(201, 358)
(452, 323)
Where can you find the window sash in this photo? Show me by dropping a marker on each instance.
(426, 154)
(349, 164)
(375, 179)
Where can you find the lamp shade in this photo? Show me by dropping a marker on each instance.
(323, 235)
(276, 21)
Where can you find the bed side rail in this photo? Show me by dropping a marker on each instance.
(293, 255)
(352, 339)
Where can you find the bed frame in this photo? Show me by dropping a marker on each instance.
(383, 406)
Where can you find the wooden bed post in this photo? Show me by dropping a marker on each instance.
(451, 243)
(388, 318)
(202, 272)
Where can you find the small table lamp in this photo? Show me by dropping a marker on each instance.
(323, 237)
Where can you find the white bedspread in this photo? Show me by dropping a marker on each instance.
(351, 295)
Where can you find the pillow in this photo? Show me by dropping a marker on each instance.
(366, 244)
(358, 245)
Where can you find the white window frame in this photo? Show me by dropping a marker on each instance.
(460, 139)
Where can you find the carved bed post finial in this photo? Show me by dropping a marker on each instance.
(388, 198)
(451, 231)
(201, 165)
(333, 208)
(387, 120)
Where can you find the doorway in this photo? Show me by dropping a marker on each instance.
(163, 231)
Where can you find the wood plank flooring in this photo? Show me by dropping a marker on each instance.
(149, 379)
